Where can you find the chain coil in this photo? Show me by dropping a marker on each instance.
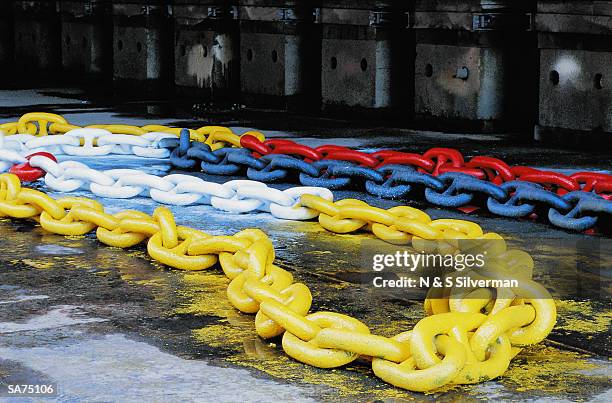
(460, 341)
(441, 176)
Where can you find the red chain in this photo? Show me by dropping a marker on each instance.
(437, 161)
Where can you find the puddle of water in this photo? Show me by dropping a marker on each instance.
(60, 316)
(14, 98)
(57, 250)
(94, 370)
(22, 298)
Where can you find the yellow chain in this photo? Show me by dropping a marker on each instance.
(466, 338)
(403, 225)
(43, 123)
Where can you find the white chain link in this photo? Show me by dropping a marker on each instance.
(84, 142)
(237, 196)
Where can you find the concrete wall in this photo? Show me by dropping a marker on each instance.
(362, 55)
(471, 59)
(280, 39)
(476, 64)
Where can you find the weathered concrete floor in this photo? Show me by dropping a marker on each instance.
(108, 324)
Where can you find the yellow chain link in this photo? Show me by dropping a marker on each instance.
(44, 123)
(467, 337)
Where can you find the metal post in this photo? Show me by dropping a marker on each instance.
(87, 41)
(575, 45)
(142, 48)
(473, 65)
(278, 53)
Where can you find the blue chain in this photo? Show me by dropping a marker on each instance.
(577, 211)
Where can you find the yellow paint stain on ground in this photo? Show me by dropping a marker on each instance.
(552, 371)
(340, 286)
(204, 293)
(302, 226)
(346, 385)
(580, 316)
(74, 237)
(38, 263)
(154, 282)
(318, 252)
(222, 335)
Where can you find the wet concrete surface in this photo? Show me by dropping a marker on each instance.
(108, 324)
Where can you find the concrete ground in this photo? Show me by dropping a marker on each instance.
(112, 325)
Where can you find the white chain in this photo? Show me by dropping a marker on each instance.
(237, 196)
(96, 142)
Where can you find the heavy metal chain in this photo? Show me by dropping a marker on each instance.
(437, 161)
(92, 142)
(41, 124)
(397, 225)
(236, 196)
(568, 211)
(576, 203)
(461, 341)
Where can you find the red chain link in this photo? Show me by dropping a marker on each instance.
(291, 148)
(254, 144)
(496, 170)
(352, 156)
(28, 173)
(400, 158)
(593, 181)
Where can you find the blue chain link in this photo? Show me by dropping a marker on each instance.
(277, 167)
(179, 157)
(339, 174)
(460, 190)
(525, 197)
(400, 181)
(584, 213)
(231, 161)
